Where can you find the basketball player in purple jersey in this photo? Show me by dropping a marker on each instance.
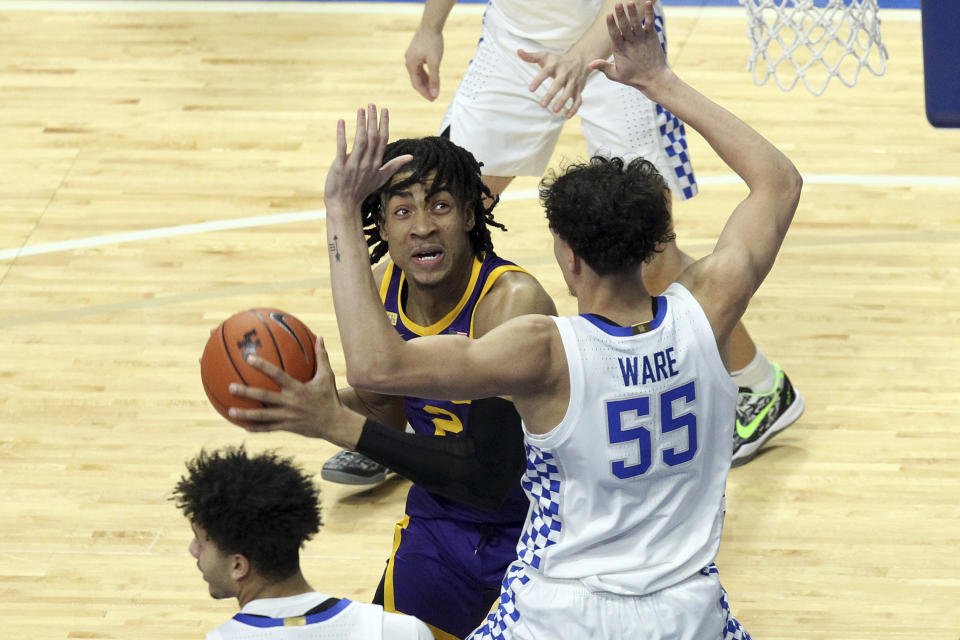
(465, 508)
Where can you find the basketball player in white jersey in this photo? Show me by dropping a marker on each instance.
(527, 77)
(626, 407)
(250, 514)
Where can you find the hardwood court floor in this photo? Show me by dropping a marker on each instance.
(147, 120)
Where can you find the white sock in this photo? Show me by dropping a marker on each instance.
(758, 376)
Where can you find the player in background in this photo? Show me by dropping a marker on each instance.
(250, 515)
(625, 407)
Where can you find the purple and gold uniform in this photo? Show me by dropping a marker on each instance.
(448, 557)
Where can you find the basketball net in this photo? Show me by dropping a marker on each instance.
(794, 40)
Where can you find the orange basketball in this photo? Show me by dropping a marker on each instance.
(273, 335)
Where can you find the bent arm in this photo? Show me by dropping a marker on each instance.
(725, 280)
(388, 410)
(478, 467)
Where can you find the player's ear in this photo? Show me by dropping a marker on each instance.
(239, 567)
(469, 220)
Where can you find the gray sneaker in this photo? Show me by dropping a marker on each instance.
(350, 467)
(760, 416)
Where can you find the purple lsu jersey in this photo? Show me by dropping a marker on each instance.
(445, 417)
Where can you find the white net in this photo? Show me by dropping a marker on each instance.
(799, 41)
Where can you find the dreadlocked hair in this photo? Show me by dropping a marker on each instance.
(614, 217)
(262, 506)
(455, 170)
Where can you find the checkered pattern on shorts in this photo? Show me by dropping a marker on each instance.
(542, 485)
(733, 630)
(673, 135)
(506, 614)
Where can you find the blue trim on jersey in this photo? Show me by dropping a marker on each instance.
(606, 327)
(622, 332)
(661, 312)
(264, 622)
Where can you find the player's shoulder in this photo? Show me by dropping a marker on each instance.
(521, 291)
(723, 299)
(400, 625)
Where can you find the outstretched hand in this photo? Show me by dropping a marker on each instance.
(638, 56)
(569, 76)
(310, 408)
(355, 175)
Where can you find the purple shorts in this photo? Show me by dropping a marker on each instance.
(448, 573)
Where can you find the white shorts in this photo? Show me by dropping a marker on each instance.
(532, 607)
(495, 117)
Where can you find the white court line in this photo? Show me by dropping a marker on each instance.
(527, 194)
(379, 8)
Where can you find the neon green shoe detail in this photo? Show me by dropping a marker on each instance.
(760, 416)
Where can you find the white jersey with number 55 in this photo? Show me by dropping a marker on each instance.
(627, 491)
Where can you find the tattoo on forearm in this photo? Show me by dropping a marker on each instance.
(335, 248)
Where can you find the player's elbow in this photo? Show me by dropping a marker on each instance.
(789, 182)
(367, 371)
(793, 184)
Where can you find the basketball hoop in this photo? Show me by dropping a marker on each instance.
(796, 40)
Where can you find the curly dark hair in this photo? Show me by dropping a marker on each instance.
(457, 171)
(613, 218)
(262, 506)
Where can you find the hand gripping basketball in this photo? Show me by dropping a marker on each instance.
(274, 336)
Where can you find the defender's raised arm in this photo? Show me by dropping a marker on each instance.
(749, 243)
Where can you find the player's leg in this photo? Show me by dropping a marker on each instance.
(432, 574)
(494, 116)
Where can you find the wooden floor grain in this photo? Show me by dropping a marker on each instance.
(146, 121)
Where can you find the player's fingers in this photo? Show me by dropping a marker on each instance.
(373, 123)
(433, 75)
(646, 21)
(420, 81)
(360, 136)
(254, 419)
(549, 101)
(255, 393)
(572, 111)
(275, 373)
(384, 133)
(373, 133)
(569, 94)
(324, 370)
(538, 80)
(605, 67)
(532, 56)
(341, 141)
(394, 165)
(623, 25)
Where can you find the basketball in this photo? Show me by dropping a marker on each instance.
(273, 335)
